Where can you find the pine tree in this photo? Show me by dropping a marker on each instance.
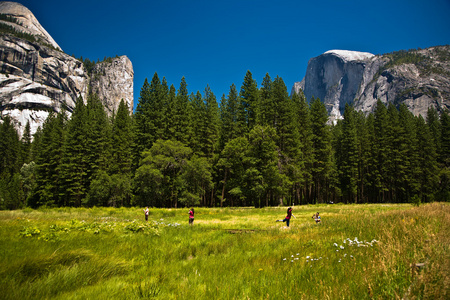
(170, 116)
(228, 117)
(181, 115)
(49, 167)
(142, 134)
(363, 154)
(262, 179)
(197, 117)
(9, 148)
(10, 163)
(349, 153)
(288, 138)
(75, 165)
(321, 149)
(408, 185)
(444, 155)
(305, 136)
(372, 175)
(428, 176)
(122, 141)
(98, 137)
(26, 144)
(434, 125)
(249, 99)
(149, 116)
(444, 158)
(265, 109)
(381, 152)
(212, 124)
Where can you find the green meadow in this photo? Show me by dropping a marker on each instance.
(377, 251)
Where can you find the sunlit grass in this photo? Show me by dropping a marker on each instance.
(229, 253)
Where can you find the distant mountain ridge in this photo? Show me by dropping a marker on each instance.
(36, 77)
(418, 78)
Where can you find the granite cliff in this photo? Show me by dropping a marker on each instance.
(37, 77)
(417, 78)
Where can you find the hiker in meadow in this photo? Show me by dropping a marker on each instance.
(316, 217)
(191, 216)
(146, 213)
(288, 217)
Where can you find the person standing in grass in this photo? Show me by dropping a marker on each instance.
(288, 217)
(146, 213)
(191, 216)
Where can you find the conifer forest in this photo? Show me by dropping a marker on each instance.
(256, 146)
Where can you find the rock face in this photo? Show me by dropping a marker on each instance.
(29, 24)
(36, 78)
(113, 81)
(419, 78)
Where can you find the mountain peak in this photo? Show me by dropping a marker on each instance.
(26, 22)
(347, 55)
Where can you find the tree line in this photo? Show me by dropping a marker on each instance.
(256, 146)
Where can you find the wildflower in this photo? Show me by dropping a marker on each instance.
(342, 247)
(335, 244)
(284, 258)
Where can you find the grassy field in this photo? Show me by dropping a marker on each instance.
(358, 252)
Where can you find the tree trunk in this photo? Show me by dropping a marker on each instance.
(223, 188)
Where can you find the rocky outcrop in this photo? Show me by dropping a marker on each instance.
(112, 81)
(36, 78)
(419, 78)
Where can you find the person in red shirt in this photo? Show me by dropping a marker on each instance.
(191, 216)
(288, 217)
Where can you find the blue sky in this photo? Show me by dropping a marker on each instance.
(216, 42)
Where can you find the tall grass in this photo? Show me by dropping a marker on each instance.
(358, 252)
